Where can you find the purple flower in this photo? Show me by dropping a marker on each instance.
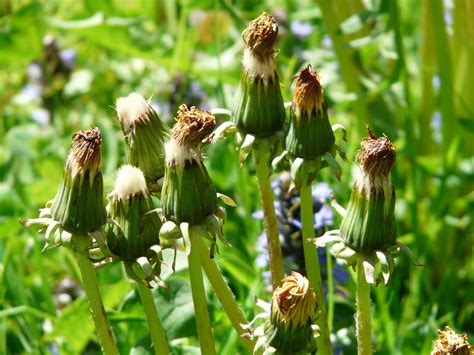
(321, 192)
(41, 116)
(323, 218)
(68, 58)
(301, 29)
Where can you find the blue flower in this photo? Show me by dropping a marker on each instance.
(301, 29)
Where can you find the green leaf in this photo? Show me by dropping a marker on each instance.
(176, 309)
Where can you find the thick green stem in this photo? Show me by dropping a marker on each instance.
(203, 322)
(262, 157)
(313, 270)
(223, 292)
(89, 282)
(364, 336)
(154, 324)
(330, 285)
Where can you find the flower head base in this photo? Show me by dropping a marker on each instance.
(369, 224)
(259, 106)
(78, 205)
(310, 134)
(288, 328)
(189, 196)
(451, 343)
(145, 134)
(133, 235)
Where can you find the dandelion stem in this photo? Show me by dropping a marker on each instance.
(330, 285)
(154, 324)
(262, 157)
(89, 282)
(364, 339)
(313, 270)
(204, 330)
(223, 292)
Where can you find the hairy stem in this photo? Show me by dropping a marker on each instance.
(203, 322)
(89, 282)
(313, 270)
(262, 157)
(364, 339)
(223, 292)
(154, 324)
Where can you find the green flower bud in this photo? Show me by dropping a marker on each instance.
(145, 134)
(310, 134)
(79, 205)
(136, 224)
(259, 107)
(294, 307)
(188, 193)
(450, 343)
(369, 223)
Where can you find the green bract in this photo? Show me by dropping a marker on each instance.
(136, 224)
(79, 205)
(260, 109)
(259, 106)
(145, 135)
(369, 223)
(310, 134)
(188, 193)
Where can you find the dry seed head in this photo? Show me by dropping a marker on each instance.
(85, 152)
(260, 36)
(451, 343)
(376, 155)
(294, 303)
(309, 91)
(131, 110)
(130, 181)
(192, 127)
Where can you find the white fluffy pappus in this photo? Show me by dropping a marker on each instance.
(130, 108)
(254, 67)
(130, 181)
(176, 153)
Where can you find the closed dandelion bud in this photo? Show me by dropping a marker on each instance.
(188, 193)
(136, 224)
(293, 310)
(449, 342)
(79, 205)
(259, 108)
(145, 135)
(310, 134)
(369, 223)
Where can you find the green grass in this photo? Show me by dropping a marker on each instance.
(379, 72)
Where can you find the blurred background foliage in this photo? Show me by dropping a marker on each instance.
(403, 67)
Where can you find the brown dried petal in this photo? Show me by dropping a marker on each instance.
(451, 343)
(260, 36)
(309, 91)
(85, 150)
(193, 126)
(376, 155)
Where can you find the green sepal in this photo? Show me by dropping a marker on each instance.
(188, 193)
(310, 135)
(146, 151)
(290, 340)
(136, 228)
(369, 223)
(260, 109)
(79, 205)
